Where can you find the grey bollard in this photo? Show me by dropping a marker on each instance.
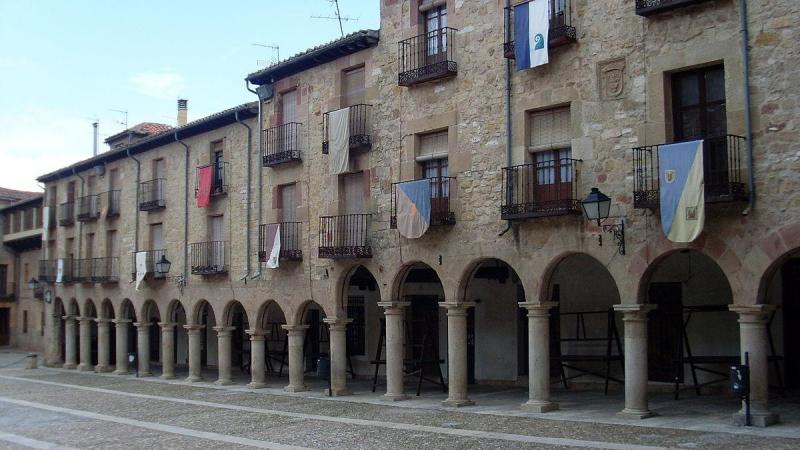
(31, 361)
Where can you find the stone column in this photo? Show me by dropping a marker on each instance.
(296, 333)
(121, 342)
(539, 357)
(143, 348)
(393, 311)
(635, 320)
(258, 365)
(754, 341)
(103, 346)
(457, 353)
(194, 352)
(167, 350)
(85, 330)
(224, 354)
(338, 333)
(52, 334)
(70, 344)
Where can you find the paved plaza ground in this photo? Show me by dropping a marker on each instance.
(54, 408)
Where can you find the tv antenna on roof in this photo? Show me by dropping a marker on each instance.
(338, 16)
(121, 111)
(276, 48)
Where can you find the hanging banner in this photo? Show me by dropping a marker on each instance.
(413, 208)
(59, 271)
(339, 140)
(141, 268)
(531, 32)
(682, 190)
(45, 225)
(205, 176)
(272, 244)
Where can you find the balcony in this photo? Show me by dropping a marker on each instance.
(290, 233)
(345, 236)
(47, 271)
(151, 258)
(66, 214)
(112, 204)
(541, 189)
(152, 194)
(88, 208)
(722, 172)
(561, 31)
(650, 7)
(282, 144)
(441, 212)
(7, 290)
(67, 272)
(209, 258)
(427, 57)
(359, 128)
(82, 270)
(105, 270)
(219, 181)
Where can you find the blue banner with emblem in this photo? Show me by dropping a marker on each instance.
(682, 191)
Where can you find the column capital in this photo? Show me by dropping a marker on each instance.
(69, 317)
(393, 307)
(223, 331)
(142, 325)
(166, 326)
(103, 320)
(295, 330)
(337, 323)
(121, 322)
(85, 320)
(256, 334)
(193, 329)
(536, 309)
(457, 308)
(753, 313)
(634, 312)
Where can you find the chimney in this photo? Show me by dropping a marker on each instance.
(182, 112)
(94, 135)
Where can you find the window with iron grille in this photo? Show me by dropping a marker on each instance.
(356, 331)
(698, 103)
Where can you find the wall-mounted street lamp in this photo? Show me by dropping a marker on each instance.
(33, 284)
(163, 265)
(596, 207)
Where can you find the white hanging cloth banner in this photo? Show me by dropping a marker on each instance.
(339, 140)
(141, 268)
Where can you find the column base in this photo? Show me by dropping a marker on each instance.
(757, 419)
(337, 392)
(167, 376)
(193, 379)
(120, 372)
(69, 366)
(395, 397)
(102, 369)
(85, 368)
(256, 385)
(539, 406)
(144, 374)
(223, 382)
(291, 388)
(629, 413)
(458, 403)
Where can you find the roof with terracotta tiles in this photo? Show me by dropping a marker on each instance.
(142, 129)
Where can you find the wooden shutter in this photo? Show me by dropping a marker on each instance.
(353, 193)
(156, 236)
(289, 106)
(432, 146)
(550, 130)
(353, 82)
(288, 205)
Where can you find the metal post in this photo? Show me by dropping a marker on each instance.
(747, 396)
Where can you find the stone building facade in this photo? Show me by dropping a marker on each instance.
(511, 280)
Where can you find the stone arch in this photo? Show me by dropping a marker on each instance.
(126, 310)
(173, 309)
(299, 315)
(468, 272)
(198, 309)
(771, 270)
(647, 274)
(266, 310)
(395, 294)
(89, 309)
(546, 288)
(149, 310)
(342, 284)
(107, 309)
(73, 309)
(228, 311)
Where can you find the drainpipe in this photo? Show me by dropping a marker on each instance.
(185, 208)
(138, 183)
(260, 166)
(80, 224)
(247, 195)
(748, 124)
(508, 108)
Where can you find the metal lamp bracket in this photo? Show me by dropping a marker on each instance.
(617, 230)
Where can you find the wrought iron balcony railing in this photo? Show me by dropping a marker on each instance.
(88, 208)
(66, 214)
(219, 181)
(112, 204)
(345, 236)
(650, 7)
(82, 270)
(209, 258)
(722, 172)
(282, 144)
(427, 57)
(359, 128)
(67, 270)
(47, 271)
(561, 31)
(152, 257)
(441, 212)
(8, 290)
(290, 233)
(105, 270)
(152, 194)
(541, 189)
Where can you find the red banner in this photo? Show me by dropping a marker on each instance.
(205, 176)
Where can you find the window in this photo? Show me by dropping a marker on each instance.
(698, 103)
(286, 203)
(6, 224)
(71, 192)
(156, 236)
(113, 179)
(553, 166)
(219, 167)
(353, 82)
(353, 189)
(356, 335)
(25, 321)
(435, 22)
(289, 106)
(550, 129)
(111, 243)
(3, 280)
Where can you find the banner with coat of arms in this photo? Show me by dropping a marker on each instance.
(682, 191)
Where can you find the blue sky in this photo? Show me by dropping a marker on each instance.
(64, 63)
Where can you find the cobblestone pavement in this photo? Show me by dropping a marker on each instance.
(58, 409)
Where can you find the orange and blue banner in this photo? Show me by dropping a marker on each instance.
(413, 208)
(682, 190)
(531, 28)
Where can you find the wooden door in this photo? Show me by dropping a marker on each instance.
(288, 134)
(791, 321)
(216, 251)
(437, 171)
(288, 213)
(664, 331)
(353, 82)
(436, 35)
(159, 173)
(552, 176)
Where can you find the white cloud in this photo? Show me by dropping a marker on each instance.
(161, 85)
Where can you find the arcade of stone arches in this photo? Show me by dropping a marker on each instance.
(681, 336)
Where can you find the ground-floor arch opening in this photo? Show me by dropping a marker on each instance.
(149, 318)
(176, 321)
(234, 334)
(782, 291)
(89, 322)
(59, 311)
(204, 316)
(316, 342)
(360, 297)
(271, 320)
